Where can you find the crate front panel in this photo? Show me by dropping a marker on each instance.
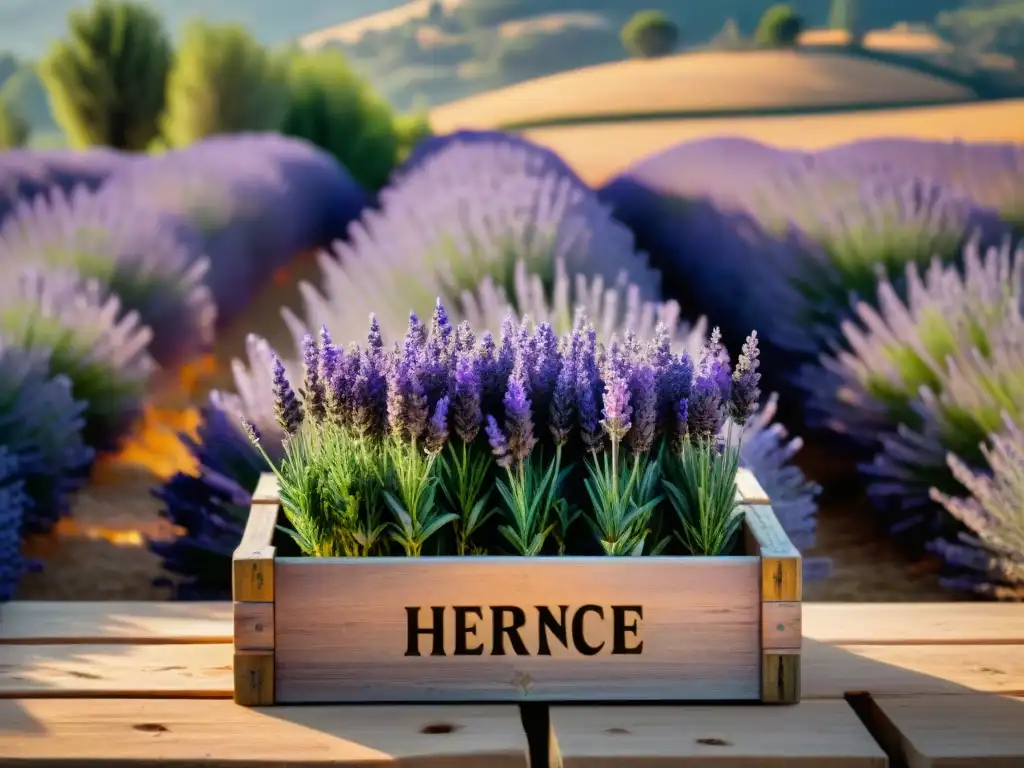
(343, 629)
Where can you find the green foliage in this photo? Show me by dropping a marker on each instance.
(411, 130)
(843, 15)
(106, 81)
(222, 81)
(702, 490)
(780, 27)
(14, 129)
(336, 109)
(649, 34)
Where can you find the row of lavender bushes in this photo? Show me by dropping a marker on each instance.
(867, 270)
(882, 276)
(116, 265)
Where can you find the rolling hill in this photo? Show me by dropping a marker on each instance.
(701, 82)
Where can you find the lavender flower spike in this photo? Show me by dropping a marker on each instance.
(437, 429)
(745, 393)
(468, 392)
(518, 420)
(643, 387)
(312, 383)
(499, 445)
(617, 410)
(287, 409)
(563, 402)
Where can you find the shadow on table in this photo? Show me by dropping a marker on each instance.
(828, 672)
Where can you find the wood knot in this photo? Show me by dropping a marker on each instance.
(714, 742)
(434, 729)
(617, 731)
(151, 728)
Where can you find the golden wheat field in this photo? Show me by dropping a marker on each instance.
(598, 152)
(705, 81)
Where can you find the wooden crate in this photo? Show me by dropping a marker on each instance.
(491, 629)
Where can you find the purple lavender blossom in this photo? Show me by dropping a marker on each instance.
(465, 339)
(415, 339)
(745, 394)
(705, 414)
(518, 418)
(674, 383)
(990, 553)
(562, 411)
(616, 411)
(330, 358)
(437, 428)
(369, 395)
(374, 340)
(547, 361)
(499, 445)
(312, 391)
(466, 406)
(287, 408)
(407, 403)
(682, 417)
(643, 394)
(13, 504)
(586, 408)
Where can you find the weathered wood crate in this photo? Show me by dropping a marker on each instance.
(490, 629)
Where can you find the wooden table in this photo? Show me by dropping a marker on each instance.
(149, 684)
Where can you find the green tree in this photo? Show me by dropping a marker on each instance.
(106, 80)
(14, 129)
(222, 81)
(649, 34)
(780, 27)
(843, 15)
(336, 109)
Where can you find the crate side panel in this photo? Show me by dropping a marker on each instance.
(342, 629)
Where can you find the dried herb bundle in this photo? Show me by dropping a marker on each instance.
(624, 449)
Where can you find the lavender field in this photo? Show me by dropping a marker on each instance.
(883, 279)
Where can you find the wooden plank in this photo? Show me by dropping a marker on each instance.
(781, 566)
(252, 575)
(202, 670)
(61, 733)
(266, 490)
(780, 677)
(254, 678)
(914, 623)
(254, 626)
(27, 622)
(206, 670)
(781, 626)
(748, 490)
(342, 629)
(979, 731)
(830, 672)
(824, 733)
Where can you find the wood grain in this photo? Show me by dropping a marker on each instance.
(61, 733)
(252, 574)
(748, 490)
(980, 731)
(28, 622)
(781, 626)
(914, 623)
(781, 566)
(254, 678)
(254, 626)
(811, 734)
(266, 490)
(780, 677)
(202, 670)
(341, 632)
(828, 672)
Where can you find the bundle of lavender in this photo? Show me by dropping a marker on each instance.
(526, 445)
